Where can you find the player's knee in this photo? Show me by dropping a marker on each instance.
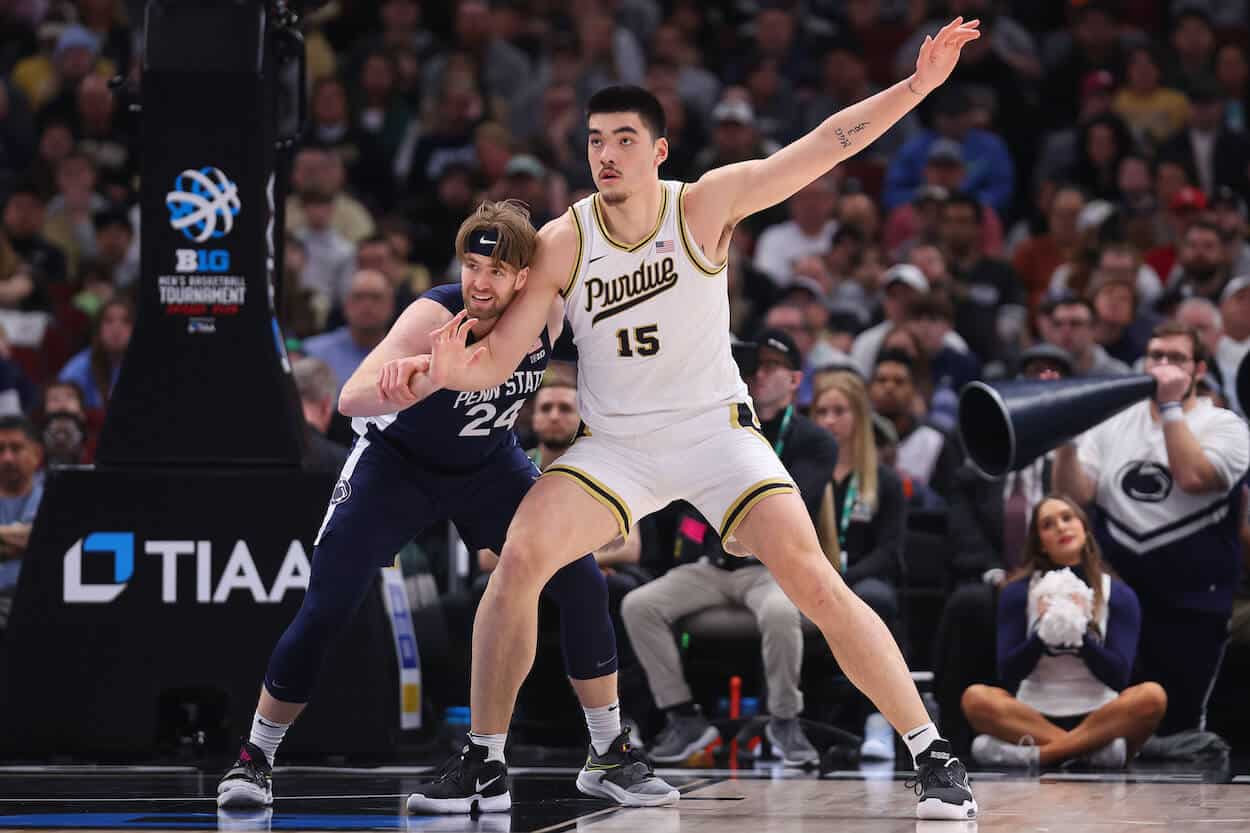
(523, 561)
(578, 585)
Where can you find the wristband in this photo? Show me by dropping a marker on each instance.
(1172, 412)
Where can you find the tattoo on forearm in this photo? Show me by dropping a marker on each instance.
(843, 138)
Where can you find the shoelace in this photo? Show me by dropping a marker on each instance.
(931, 776)
(452, 768)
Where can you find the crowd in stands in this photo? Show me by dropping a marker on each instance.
(1072, 203)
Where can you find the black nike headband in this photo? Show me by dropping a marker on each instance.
(483, 241)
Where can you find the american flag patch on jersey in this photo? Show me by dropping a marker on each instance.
(664, 247)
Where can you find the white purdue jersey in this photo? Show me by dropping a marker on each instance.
(651, 324)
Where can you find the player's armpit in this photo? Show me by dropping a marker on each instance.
(410, 336)
(523, 321)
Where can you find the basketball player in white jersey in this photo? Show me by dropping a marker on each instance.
(641, 267)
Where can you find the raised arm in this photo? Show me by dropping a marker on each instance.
(724, 196)
(362, 395)
(492, 361)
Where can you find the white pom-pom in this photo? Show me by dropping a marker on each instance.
(1064, 623)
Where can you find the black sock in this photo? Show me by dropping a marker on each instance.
(686, 709)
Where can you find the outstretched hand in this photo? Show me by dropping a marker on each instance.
(449, 350)
(940, 53)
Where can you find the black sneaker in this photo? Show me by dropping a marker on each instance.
(467, 783)
(942, 784)
(249, 783)
(624, 775)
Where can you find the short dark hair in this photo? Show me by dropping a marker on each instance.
(1052, 305)
(15, 422)
(627, 98)
(1169, 329)
(894, 355)
(375, 238)
(963, 198)
(930, 307)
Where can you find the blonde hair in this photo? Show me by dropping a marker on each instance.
(863, 456)
(516, 239)
(863, 446)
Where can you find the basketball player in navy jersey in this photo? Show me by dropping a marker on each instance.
(642, 267)
(425, 460)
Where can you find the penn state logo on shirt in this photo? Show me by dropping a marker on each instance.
(1146, 481)
(342, 491)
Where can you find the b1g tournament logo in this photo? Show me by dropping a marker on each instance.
(203, 204)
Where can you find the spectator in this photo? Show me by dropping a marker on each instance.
(42, 78)
(1193, 41)
(318, 395)
(734, 135)
(330, 255)
(1094, 43)
(992, 181)
(1229, 214)
(1103, 142)
(1203, 267)
(1213, 155)
(95, 369)
(67, 220)
(809, 231)
(1166, 476)
(1153, 112)
(863, 515)
(113, 235)
(1232, 71)
(1231, 325)
(917, 221)
(556, 419)
(21, 490)
(320, 170)
(369, 309)
(925, 454)
(1074, 701)
(989, 311)
(1185, 204)
(1072, 323)
(448, 137)
(15, 389)
(1121, 326)
(695, 84)
(1037, 258)
(104, 136)
(1059, 150)
(930, 318)
(28, 262)
(64, 434)
(380, 122)
(809, 454)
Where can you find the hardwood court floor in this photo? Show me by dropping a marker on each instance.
(545, 801)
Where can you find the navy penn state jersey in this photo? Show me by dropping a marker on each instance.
(458, 430)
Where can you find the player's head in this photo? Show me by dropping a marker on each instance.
(555, 410)
(495, 246)
(627, 140)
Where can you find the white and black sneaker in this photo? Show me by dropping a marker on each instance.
(467, 783)
(941, 782)
(624, 775)
(249, 783)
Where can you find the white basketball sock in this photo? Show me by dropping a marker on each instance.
(919, 738)
(267, 734)
(604, 723)
(494, 745)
